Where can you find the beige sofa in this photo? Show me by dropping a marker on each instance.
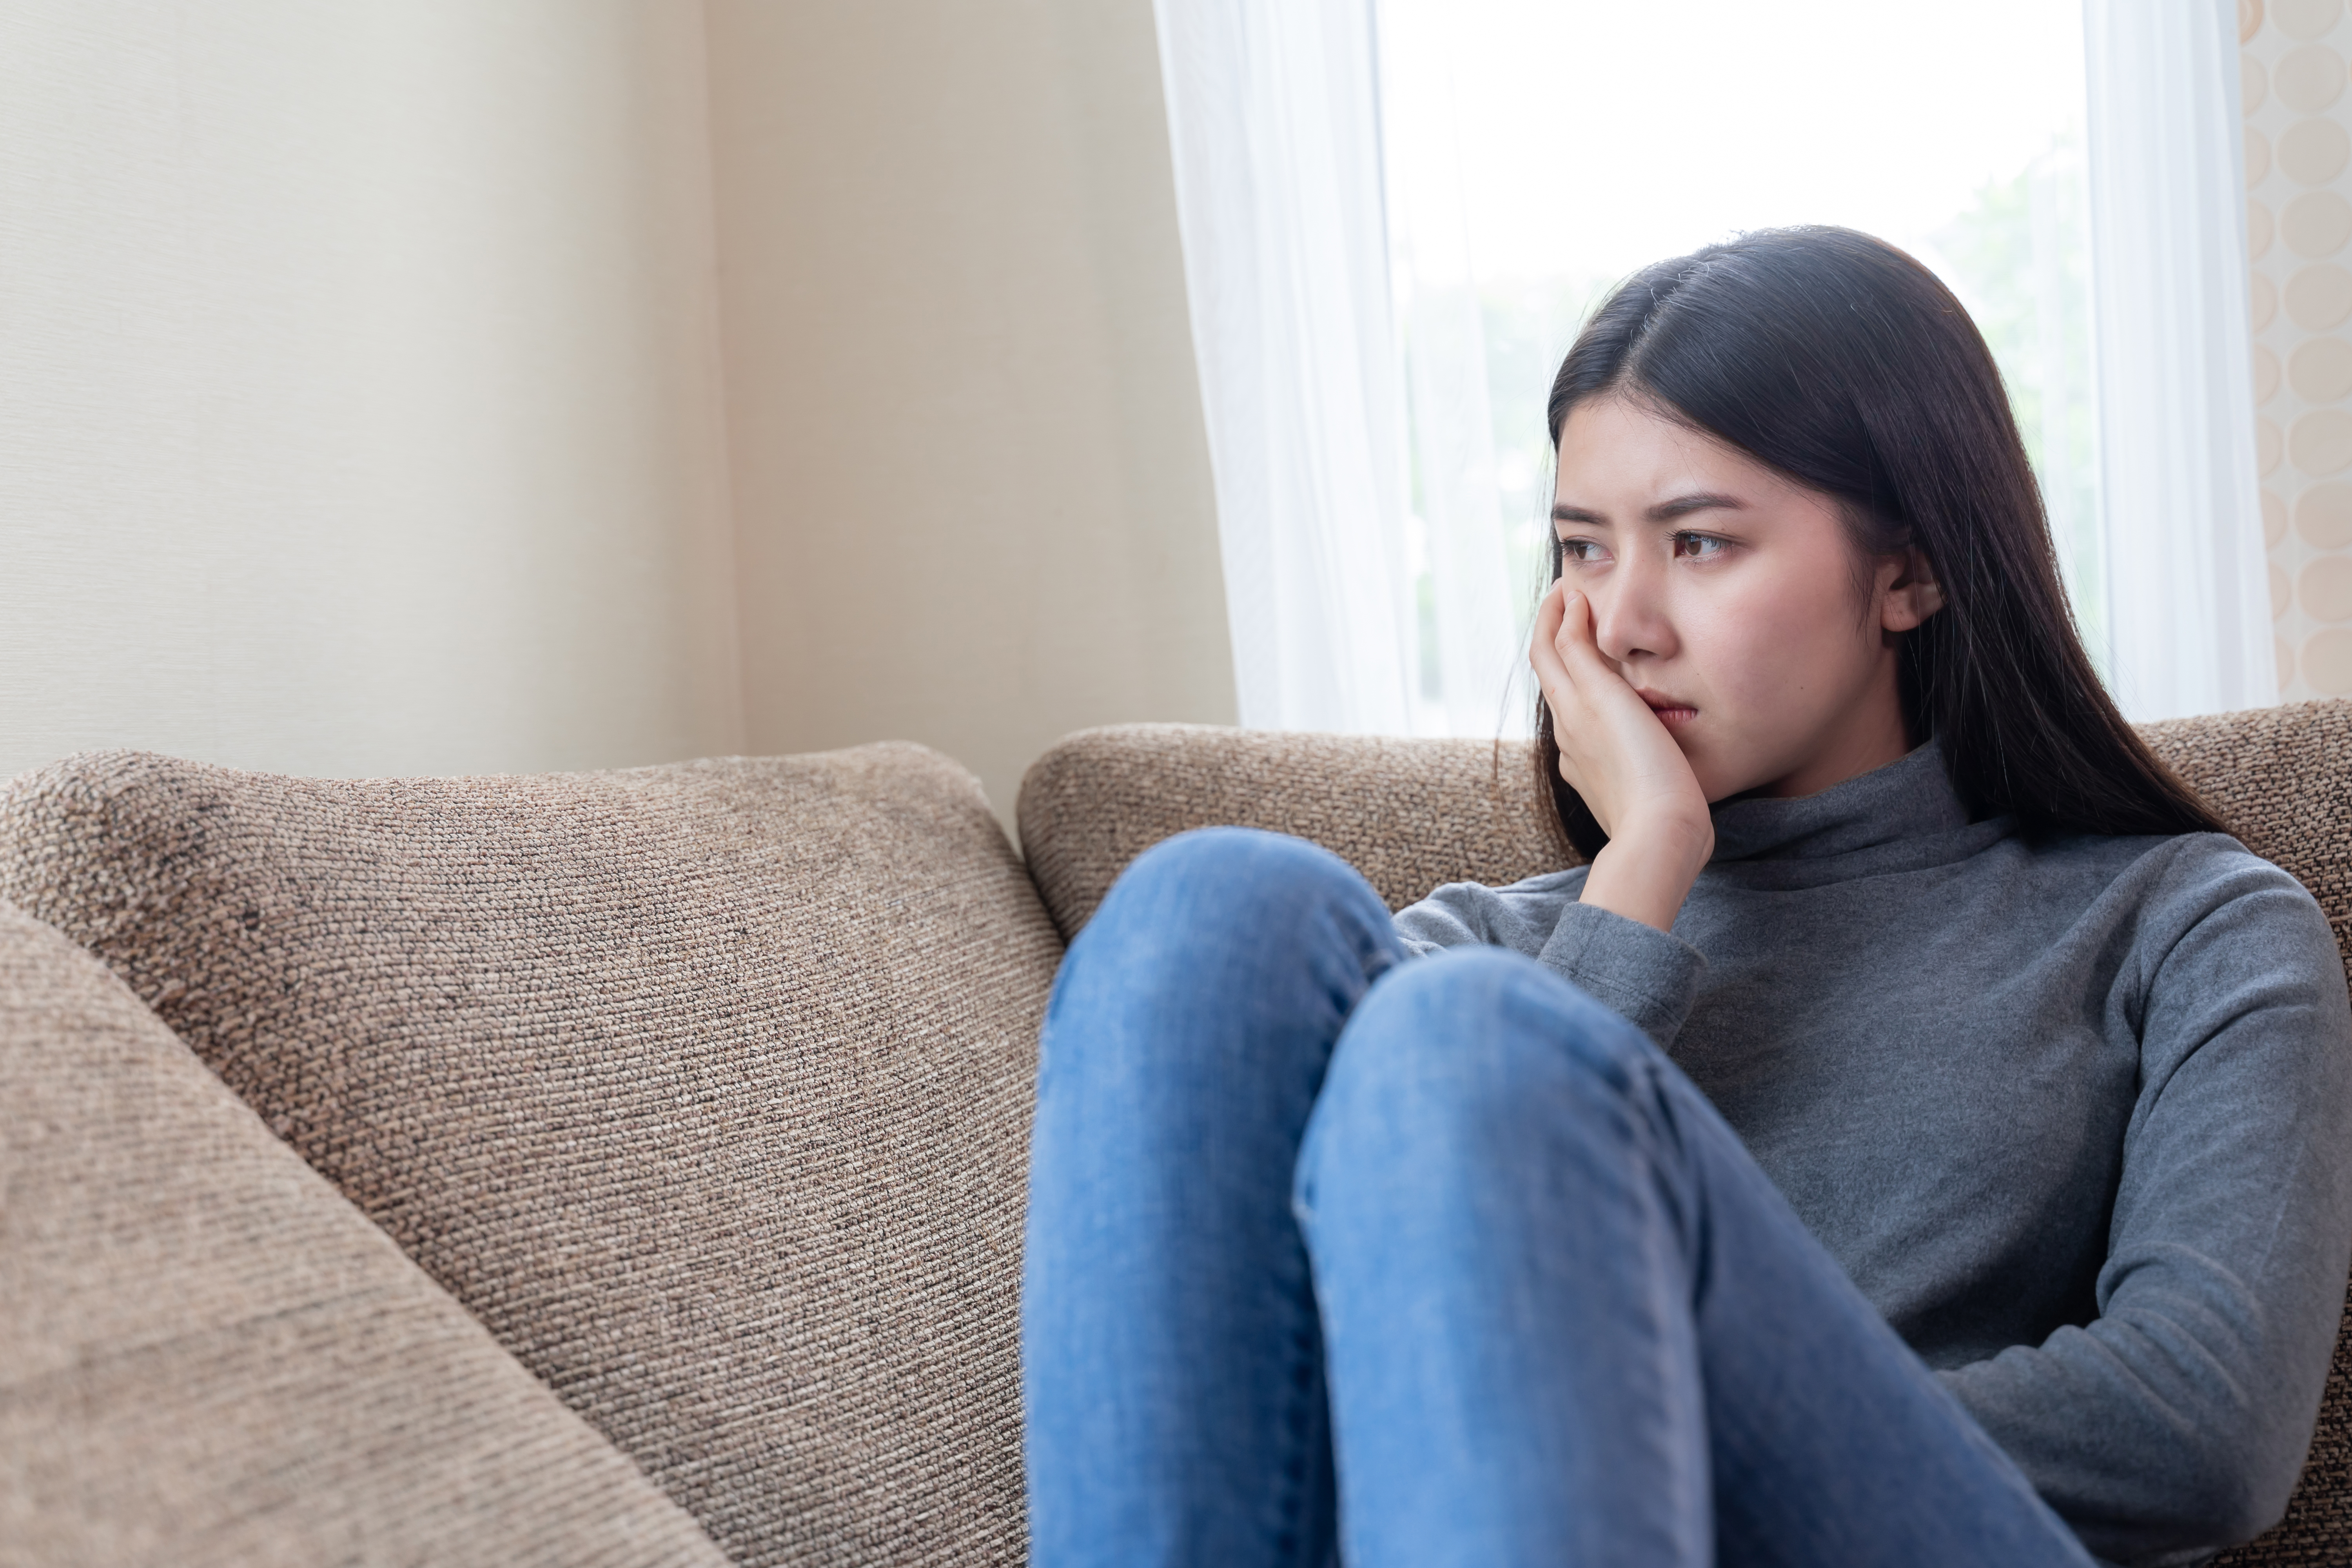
(628, 1167)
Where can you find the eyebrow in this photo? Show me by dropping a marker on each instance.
(1664, 511)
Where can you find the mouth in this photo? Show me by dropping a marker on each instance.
(1673, 713)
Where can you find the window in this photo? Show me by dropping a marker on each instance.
(1535, 152)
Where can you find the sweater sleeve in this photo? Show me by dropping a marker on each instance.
(1646, 976)
(2177, 1419)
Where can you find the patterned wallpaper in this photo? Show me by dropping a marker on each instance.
(2298, 225)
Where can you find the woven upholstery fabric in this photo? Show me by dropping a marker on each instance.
(208, 1357)
(2281, 779)
(1409, 815)
(705, 1087)
(1413, 814)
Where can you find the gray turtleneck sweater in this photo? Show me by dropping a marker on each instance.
(2072, 1113)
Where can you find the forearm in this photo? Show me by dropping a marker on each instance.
(2152, 1434)
(1645, 873)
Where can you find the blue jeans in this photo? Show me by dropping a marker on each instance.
(1435, 1262)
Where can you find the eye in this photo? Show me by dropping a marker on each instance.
(1698, 547)
(1583, 551)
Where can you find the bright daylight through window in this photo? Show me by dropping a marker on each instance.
(1534, 152)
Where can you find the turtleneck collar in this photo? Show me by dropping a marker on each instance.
(1907, 800)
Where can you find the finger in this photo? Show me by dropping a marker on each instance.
(1577, 640)
(1598, 683)
(1547, 613)
(1549, 610)
(1543, 651)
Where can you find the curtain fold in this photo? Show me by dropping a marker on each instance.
(1274, 126)
(2188, 611)
(1476, 635)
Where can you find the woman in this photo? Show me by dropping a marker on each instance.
(1912, 1138)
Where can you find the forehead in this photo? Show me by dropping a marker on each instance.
(1615, 445)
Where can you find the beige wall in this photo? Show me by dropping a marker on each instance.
(971, 483)
(370, 400)
(359, 398)
(2299, 226)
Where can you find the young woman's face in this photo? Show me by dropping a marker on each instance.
(1727, 597)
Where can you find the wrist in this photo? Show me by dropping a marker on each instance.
(1676, 839)
(1645, 870)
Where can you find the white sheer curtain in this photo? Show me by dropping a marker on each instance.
(2188, 611)
(1273, 121)
(1476, 634)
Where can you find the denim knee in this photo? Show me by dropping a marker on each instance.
(1492, 1000)
(1465, 1049)
(1217, 891)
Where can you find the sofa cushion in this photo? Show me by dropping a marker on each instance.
(1409, 815)
(706, 1087)
(208, 1356)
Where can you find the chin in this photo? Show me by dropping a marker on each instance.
(1717, 784)
(1721, 778)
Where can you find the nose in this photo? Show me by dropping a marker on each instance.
(1631, 615)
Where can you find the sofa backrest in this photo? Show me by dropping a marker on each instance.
(207, 1357)
(1412, 814)
(2282, 778)
(705, 1087)
(1409, 815)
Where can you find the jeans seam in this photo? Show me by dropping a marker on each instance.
(1291, 1535)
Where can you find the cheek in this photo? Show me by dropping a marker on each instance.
(1769, 643)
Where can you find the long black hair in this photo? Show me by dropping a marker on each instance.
(1843, 364)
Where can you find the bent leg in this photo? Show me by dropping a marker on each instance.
(1172, 1358)
(1568, 1319)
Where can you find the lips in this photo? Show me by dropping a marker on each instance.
(1671, 710)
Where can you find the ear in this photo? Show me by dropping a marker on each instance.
(1908, 592)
